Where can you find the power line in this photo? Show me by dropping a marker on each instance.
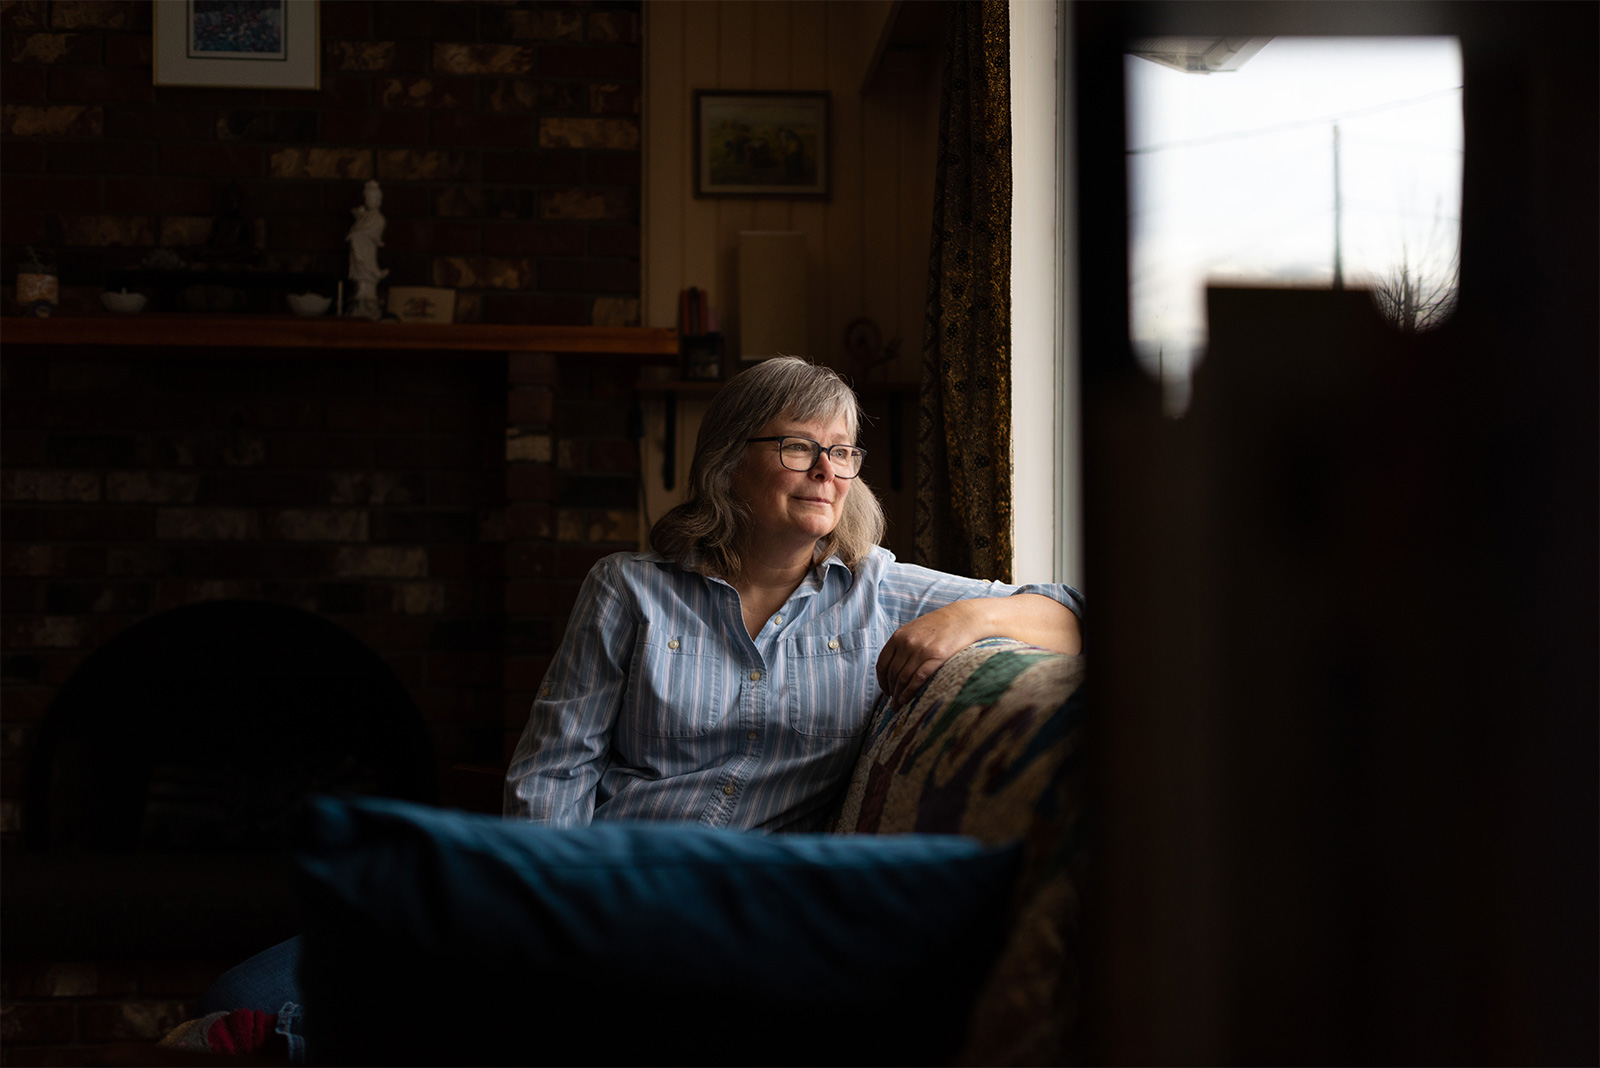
(1246, 189)
(1262, 131)
(1403, 146)
(1165, 270)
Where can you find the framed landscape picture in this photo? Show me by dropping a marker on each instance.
(238, 44)
(760, 144)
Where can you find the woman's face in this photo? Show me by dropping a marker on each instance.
(791, 509)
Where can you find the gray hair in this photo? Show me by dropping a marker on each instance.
(703, 533)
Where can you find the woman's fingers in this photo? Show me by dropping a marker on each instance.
(887, 672)
(909, 684)
(900, 659)
(915, 651)
(905, 664)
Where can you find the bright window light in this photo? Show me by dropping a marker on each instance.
(1292, 161)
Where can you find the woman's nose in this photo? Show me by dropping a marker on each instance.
(823, 468)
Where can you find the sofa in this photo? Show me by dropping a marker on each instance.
(936, 921)
(992, 747)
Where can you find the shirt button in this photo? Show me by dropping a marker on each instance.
(673, 644)
(728, 789)
(755, 676)
(752, 736)
(777, 621)
(544, 691)
(833, 643)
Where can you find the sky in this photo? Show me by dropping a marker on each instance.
(1231, 177)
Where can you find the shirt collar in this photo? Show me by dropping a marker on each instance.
(830, 565)
(831, 562)
(810, 584)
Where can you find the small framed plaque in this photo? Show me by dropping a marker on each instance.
(422, 304)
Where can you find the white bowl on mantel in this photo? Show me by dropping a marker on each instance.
(123, 303)
(308, 303)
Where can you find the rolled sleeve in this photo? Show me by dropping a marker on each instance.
(911, 591)
(1056, 591)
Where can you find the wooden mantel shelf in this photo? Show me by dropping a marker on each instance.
(289, 332)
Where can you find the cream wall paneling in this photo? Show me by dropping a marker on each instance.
(866, 245)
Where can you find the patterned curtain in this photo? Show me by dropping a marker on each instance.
(963, 504)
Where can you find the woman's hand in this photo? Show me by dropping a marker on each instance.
(915, 651)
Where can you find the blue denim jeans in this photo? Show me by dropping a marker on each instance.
(268, 982)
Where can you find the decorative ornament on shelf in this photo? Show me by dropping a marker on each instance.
(308, 304)
(38, 288)
(365, 238)
(163, 259)
(700, 342)
(123, 303)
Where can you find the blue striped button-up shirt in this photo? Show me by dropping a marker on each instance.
(660, 706)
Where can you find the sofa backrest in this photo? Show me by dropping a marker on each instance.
(992, 748)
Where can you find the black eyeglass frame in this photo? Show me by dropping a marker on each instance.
(818, 448)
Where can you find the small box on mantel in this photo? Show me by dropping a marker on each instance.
(422, 304)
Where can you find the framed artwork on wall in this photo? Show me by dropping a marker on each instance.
(237, 44)
(760, 144)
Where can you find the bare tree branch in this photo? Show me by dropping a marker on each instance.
(1418, 297)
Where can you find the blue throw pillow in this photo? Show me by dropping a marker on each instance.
(439, 937)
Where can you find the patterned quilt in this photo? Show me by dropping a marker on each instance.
(993, 747)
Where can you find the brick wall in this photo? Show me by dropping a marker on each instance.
(444, 510)
(368, 491)
(440, 516)
(572, 491)
(505, 136)
(51, 1007)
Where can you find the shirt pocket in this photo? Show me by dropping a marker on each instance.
(674, 686)
(832, 683)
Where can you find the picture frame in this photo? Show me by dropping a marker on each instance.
(237, 44)
(761, 143)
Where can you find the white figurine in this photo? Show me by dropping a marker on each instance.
(366, 237)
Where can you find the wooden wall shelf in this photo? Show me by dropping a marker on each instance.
(656, 345)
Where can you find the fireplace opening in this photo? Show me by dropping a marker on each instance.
(202, 730)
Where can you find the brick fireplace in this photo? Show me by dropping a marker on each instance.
(438, 502)
(440, 505)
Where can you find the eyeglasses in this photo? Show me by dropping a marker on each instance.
(802, 454)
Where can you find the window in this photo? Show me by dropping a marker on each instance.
(1296, 161)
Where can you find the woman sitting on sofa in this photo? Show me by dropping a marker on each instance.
(726, 677)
